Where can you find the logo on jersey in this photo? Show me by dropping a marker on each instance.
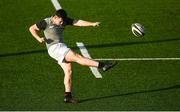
(51, 26)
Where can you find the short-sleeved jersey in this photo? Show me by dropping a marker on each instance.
(53, 33)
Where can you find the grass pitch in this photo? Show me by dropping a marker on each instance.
(31, 80)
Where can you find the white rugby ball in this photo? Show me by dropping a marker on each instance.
(138, 30)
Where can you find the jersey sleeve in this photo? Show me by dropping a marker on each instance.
(41, 25)
(69, 21)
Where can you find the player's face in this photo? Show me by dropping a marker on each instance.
(58, 20)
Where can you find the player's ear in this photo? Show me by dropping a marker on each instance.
(55, 16)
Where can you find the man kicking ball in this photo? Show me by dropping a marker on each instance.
(53, 28)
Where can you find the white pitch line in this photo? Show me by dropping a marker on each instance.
(137, 59)
(56, 4)
(85, 53)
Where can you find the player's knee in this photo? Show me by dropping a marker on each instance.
(69, 72)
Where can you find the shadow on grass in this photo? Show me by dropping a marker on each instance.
(94, 46)
(132, 93)
(22, 53)
(130, 43)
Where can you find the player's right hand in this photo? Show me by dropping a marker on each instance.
(41, 40)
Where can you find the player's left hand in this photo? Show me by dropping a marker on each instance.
(96, 24)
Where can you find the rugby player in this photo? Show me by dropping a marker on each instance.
(53, 28)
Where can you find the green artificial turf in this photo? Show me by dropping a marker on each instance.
(31, 80)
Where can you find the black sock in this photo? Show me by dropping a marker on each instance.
(101, 65)
(68, 94)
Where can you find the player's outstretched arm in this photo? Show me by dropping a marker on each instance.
(34, 31)
(85, 23)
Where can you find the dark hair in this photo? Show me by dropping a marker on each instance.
(61, 13)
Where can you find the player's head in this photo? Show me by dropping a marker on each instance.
(61, 13)
(59, 16)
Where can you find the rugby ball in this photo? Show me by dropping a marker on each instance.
(138, 30)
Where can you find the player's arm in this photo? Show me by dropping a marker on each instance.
(34, 29)
(85, 23)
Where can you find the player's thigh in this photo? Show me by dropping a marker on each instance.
(71, 56)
